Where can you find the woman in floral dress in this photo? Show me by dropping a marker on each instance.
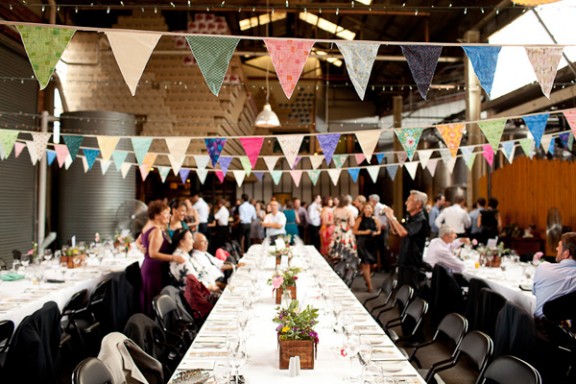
(343, 245)
(327, 226)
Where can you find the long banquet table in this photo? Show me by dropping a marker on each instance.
(317, 285)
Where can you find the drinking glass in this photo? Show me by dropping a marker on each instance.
(238, 360)
(25, 260)
(47, 255)
(365, 354)
(372, 374)
(351, 346)
(221, 372)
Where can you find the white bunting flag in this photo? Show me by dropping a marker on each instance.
(432, 166)
(239, 176)
(411, 167)
(373, 172)
(124, 169)
(545, 142)
(105, 165)
(359, 59)
(32, 151)
(177, 147)
(290, 145)
(85, 164)
(163, 171)
(296, 176)
(545, 62)
(68, 162)
(40, 140)
(334, 175)
(201, 173)
(368, 141)
(450, 165)
(202, 161)
(107, 145)
(424, 156)
(271, 162)
(316, 160)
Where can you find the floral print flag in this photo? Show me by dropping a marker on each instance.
(409, 138)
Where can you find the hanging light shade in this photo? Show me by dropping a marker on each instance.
(267, 118)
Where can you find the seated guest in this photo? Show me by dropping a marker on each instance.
(184, 242)
(553, 280)
(214, 267)
(440, 250)
(274, 222)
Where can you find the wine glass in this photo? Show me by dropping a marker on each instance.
(372, 374)
(238, 360)
(47, 255)
(351, 346)
(221, 372)
(365, 354)
(25, 260)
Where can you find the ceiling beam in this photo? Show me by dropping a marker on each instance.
(540, 103)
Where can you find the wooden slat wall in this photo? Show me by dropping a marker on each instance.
(527, 188)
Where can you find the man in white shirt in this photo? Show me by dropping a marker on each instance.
(247, 214)
(222, 216)
(384, 260)
(214, 268)
(350, 207)
(203, 212)
(314, 221)
(455, 216)
(274, 222)
(440, 250)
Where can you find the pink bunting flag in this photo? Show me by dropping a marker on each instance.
(18, 147)
(452, 135)
(61, 153)
(488, 154)
(220, 175)
(359, 158)
(252, 147)
(296, 176)
(545, 62)
(570, 116)
(288, 57)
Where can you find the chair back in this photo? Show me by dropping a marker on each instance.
(478, 346)
(388, 286)
(491, 302)
(91, 371)
(166, 311)
(175, 294)
(77, 302)
(510, 370)
(403, 297)
(414, 314)
(6, 331)
(454, 326)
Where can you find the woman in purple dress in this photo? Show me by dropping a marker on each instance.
(156, 244)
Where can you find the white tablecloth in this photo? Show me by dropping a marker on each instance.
(261, 345)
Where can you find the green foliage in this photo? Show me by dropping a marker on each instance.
(296, 324)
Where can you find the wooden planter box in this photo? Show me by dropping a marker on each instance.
(278, 259)
(303, 348)
(280, 291)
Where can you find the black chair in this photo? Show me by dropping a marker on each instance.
(409, 321)
(77, 319)
(491, 303)
(383, 296)
(6, 331)
(510, 370)
(446, 294)
(91, 371)
(473, 301)
(451, 329)
(476, 347)
(400, 302)
(172, 323)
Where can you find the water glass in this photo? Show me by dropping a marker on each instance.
(47, 255)
(372, 374)
(365, 354)
(221, 372)
(25, 260)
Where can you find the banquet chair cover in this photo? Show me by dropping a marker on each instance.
(491, 302)
(473, 302)
(446, 294)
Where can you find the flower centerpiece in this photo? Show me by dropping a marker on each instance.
(122, 242)
(279, 251)
(33, 253)
(296, 334)
(283, 281)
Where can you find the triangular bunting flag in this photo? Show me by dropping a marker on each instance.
(493, 131)
(373, 171)
(224, 162)
(379, 158)
(84, 164)
(334, 175)
(252, 147)
(44, 47)
(328, 142)
(124, 169)
(296, 176)
(202, 173)
(119, 157)
(411, 167)
(147, 164)
(452, 135)
(276, 176)
(184, 172)
(564, 138)
(220, 175)
(163, 171)
(61, 153)
(245, 161)
(354, 172)
(91, 155)
(259, 175)
(40, 142)
(50, 156)
(508, 150)
(570, 141)
(201, 161)
(271, 162)
(288, 57)
(107, 145)
(545, 62)
(132, 51)
(571, 119)
(368, 141)
(359, 158)
(105, 165)
(176, 162)
(445, 155)
(359, 58)
(7, 139)
(409, 138)
(547, 143)
(73, 144)
(144, 171)
(290, 145)
(484, 60)
(18, 147)
(213, 54)
(339, 160)
(32, 151)
(432, 165)
(68, 162)
(450, 165)
(402, 157)
(537, 125)
(424, 156)
(298, 158)
(488, 154)
(215, 147)
(314, 174)
(178, 147)
(316, 160)
(141, 146)
(468, 155)
(422, 61)
(527, 145)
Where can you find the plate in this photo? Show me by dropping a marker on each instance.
(191, 376)
(526, 287)
(392, 366)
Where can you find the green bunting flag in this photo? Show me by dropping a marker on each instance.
(409, 138)
(314, 174)
(7, 139)
(73, 144)
(493, 131)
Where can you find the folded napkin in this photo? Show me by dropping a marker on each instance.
(11, 276)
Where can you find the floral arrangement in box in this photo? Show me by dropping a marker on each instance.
(284, 279)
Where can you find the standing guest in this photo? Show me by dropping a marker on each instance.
(314, 221)
(367, 231)
(335, 202)
(490, 222)
(222, 215)
(343, 240)
(359, 202)
(203, 211)
(439, 202)
(349, 206)
(413, 233)
(455, 216)
(553, 280)
(191, 217)
(382, 240)
(327, 226)
(274, 222)
(302, 216)
(247, 214)
(177, 220)
(256, 230)
(292, 221)
(475, 230)
(440, 250)
(156, 243)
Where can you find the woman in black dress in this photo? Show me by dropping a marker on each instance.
(489, 221)
(367, 229)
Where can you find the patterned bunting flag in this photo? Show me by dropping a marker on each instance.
(508, 150)
(359, 58)
(296, 176)
(484, 61)
(432, 165)
(91, 155)
(316, 160)
(424, 156)
(124, 169)
(44, 47)
(119, 157)
(334, 175)
(252, 147)
(328, 142)
(201, 161)
(290, 145)
(537, 125)
(379, 157)
(354, 172)
(452, 135)
(61, 153)
(50, 156)
(239, 176)
(528, 146)
(202, 173)
(18, 147)
(225, 163)
(570, 116)
(468, 155)
(213, 54)
(359, 158)
(105, 165)
(215, 147)
(422, 61)
(545, 62)
(163, 171)
(564, 138)
(402, 157)
(73, 144)
(184, 173)
(276, 176)
(40, 141)
(547, 143)
(373, 171)
(271, 162)
(488, 154)
(259, 175)
(132, 51)
(141, 146)
(411, 167)
(107, 145)
(288, 57)
(245, 161)
(409, 138)
(339, 160)
(296, 161)
(7, 139)
(368, 141)
(220, 175)
(493, 131)
(314, 174)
